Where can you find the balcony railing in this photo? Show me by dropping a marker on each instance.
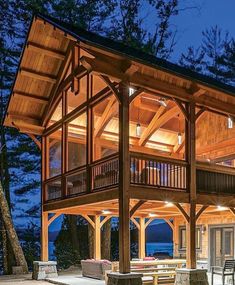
(158, 171)
(105, 172)
(145, 170)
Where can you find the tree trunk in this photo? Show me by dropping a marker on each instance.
(74, 232)
(106, 240)
(18, 252)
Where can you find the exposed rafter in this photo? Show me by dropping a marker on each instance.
(45, 50)
(30, 97)
(37, 75)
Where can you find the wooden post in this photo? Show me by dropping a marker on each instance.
(142, 238)
(124, 181)
(191, 157)
(44, 237)
(97, 238)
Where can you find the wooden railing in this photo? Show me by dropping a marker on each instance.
(76, 182)
(215, 179)
(105, 172)
(53, 189)
(158, 171)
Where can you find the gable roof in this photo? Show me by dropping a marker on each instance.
(42, 63)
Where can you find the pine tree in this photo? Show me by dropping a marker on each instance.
(193, 59)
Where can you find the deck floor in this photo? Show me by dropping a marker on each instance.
(71, 278)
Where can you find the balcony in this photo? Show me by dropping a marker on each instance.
(145, 170)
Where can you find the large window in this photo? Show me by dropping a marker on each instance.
(105, 128)
(77, 97)
(54, 148)
(76, 138)
(183, 238)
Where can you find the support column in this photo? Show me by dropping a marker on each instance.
(191, 157)
(44, 237)
(124, 180)
(142, 238)
(97, 238)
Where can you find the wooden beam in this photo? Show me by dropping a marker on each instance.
(202, 209)
(136, 207)
(153, 126)
(44, 237)
(182, 211)
(110, 110)
(30, 97)
(89, 220)
(51, 220)
(45, 50)
(37, 75)
(124, 181)
(135, 223)
(142, 238)
(37, 142)
(157, 86)
(232, 210)
(169, 223)
(105, 220)
(97, 238)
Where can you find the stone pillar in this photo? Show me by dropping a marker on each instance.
(191, 277)
(124, 279)
(43, 270)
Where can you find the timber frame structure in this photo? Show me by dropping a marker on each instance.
(86, 96)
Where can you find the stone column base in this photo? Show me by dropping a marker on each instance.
(191, 277)
(43, 270)
(124, 279)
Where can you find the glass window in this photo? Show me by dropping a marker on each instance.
(76, 183)
(54, 155)
(98, 85)
(57, 114)
(74, 100)
(77, 131)
(53, 190)
(105, 128)
(183, 238)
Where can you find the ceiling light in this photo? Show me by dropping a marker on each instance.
(106, 212)
(180, 139)
(221, 208)
(169, 204)
(162, 102)
(230, 122)
(152, 215)
(131, 91)
(138, 130)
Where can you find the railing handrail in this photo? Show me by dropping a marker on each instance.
(206, 166)
(144, 156)
(105, 159)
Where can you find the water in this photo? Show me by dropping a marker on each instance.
(153, 247)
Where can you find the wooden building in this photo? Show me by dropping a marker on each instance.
(126, 134)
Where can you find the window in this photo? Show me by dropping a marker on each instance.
(76, 138)
(54, 156)
(57, 114)
(98, 85)
(105, 128)
(183, 238)
(74, 100)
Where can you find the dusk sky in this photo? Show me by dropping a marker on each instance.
(191, 22)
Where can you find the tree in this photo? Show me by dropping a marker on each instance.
(213, 45)
(16, 247)
(193, 59)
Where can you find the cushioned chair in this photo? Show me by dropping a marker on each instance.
(226, 270)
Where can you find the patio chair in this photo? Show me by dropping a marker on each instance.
(226, 270)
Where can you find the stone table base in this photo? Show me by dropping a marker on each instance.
(124, 279)
(191, 277)
(43, 270)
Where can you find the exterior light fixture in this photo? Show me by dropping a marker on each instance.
(221, 208)
(180, 138)
(230, 122)
(131, 91)
(152, 215)
(106, 212)
(138, 130)
(162, 102)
